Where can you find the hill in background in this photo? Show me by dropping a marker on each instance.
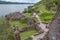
(5, 2)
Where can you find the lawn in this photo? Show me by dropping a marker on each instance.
(28, 33)
(21, 23)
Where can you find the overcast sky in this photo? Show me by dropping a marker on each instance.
(30, 1)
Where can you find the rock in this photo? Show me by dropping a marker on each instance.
(54, 27)
(17, 33)
(30, 20)
(15, 16)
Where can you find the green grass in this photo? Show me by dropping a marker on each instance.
(5, 31)
(27, 14)
(27, 34)
(46, 17)
(21, 23)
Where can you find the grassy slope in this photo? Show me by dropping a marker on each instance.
(44, 14)
(21, 23)
(27, 34)
(46, 17)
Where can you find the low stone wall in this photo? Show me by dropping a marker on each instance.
(15, 16)
(30, 38)
(28, 28)
(30, 20)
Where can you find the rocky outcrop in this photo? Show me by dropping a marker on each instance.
(54, 27)
(15, 16)
(16, 34)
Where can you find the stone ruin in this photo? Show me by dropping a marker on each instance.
(54, 27)
(32, 25)
(52, 34)
(30, 20)
(15, 16)
(16, 33)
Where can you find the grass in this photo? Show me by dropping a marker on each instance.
(5, 31)
(46, 17)
(27, 14)
(28, 33)
(21, 23)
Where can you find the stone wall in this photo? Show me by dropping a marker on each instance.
(30, 20)
(30, 38)
(14, 16)
(54, 27)
(27, 28)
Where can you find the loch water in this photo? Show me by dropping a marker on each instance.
(8, 8)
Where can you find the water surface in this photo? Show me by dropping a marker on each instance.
(7, 8)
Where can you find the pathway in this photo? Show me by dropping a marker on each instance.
(43, 27)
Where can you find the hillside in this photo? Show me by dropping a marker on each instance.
(5, 2)
(45, 11)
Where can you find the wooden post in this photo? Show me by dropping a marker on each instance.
(16, 33)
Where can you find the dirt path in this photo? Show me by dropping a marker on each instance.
(43, 27)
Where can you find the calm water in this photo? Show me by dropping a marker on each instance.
(7, 8)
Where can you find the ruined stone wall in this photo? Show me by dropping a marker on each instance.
(30, 38)
(30, 20)
(30, 27)
(54, 27)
